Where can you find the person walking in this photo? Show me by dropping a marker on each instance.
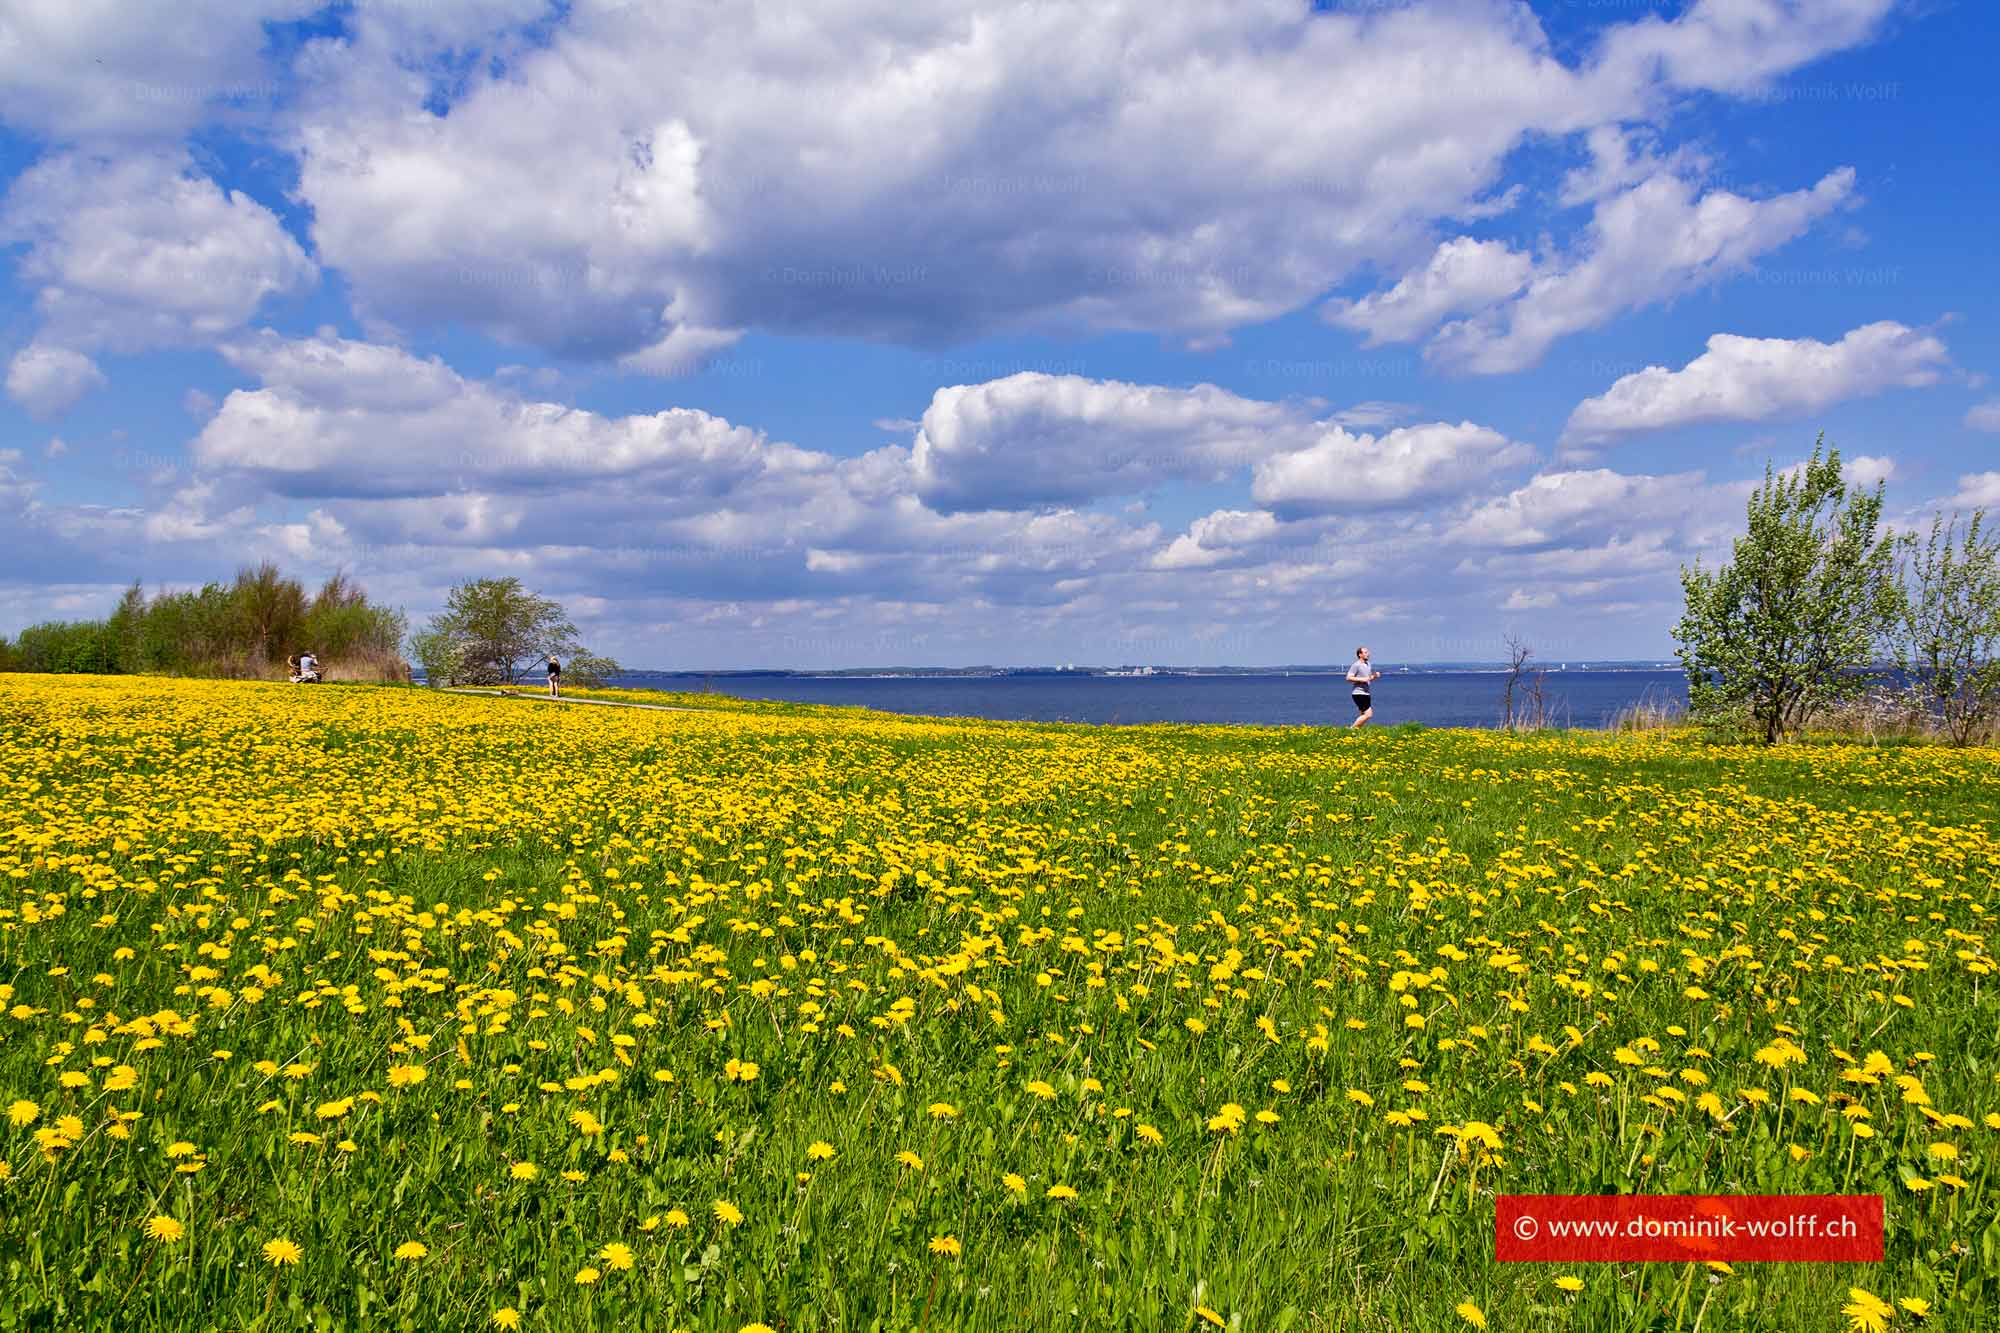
(555, 679)
(1360, 677)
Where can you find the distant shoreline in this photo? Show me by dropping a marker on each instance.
(1132, 672)
(1437, 696)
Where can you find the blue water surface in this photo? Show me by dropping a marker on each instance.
(1434, 698)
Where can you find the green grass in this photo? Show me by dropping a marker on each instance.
(984, 907)
(712, 700)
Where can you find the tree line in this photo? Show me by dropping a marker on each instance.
(244, 629)
(491, 632)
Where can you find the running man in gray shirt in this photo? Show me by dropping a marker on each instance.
(1359, 677)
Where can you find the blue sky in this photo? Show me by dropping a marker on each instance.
(989, 333)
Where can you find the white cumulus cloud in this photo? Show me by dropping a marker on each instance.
(1976, 490)
(128, 252)
(361, 419)
(1757, 379)
(1344, 471)
(1737, 46)
(1647, 244)
(1214, 537)
(1463, 275)
(1033, 438)
(48, 381)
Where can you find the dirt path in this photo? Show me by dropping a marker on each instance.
(596, 703)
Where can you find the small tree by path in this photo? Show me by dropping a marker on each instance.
(493, 630)
(1791, 624)
(1523, 704)
(589, 670)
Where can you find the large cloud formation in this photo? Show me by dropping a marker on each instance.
(647, 182)
(640, 183)
(617, 181)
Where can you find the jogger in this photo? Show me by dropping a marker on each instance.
(1360, 676)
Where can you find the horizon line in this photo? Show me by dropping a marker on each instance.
(1078, 668)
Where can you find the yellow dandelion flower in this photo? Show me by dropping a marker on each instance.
(1866, 1312)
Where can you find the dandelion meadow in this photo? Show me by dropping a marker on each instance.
(377, 1008)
